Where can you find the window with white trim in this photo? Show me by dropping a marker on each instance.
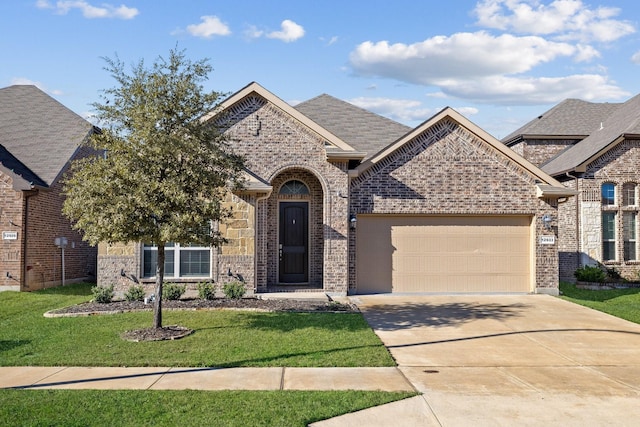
(629, 194)
(629, 225)
(608, 194)
(180, 261)
(608, 236)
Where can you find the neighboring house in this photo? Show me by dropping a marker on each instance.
(593, 148)
(38, 138)
(345, 201)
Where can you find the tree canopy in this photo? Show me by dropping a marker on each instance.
(162, 173)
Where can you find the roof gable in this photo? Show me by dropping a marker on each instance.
(365, 131)
(40, 134)
(255, 89)
(622, 123)
(547, 182)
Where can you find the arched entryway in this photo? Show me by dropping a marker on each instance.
(295, 231)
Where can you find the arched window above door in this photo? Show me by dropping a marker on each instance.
(294, 187)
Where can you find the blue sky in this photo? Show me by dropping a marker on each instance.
(498, 62)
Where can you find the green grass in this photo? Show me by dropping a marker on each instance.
(221, 338)
(623, 303)
(181, 408)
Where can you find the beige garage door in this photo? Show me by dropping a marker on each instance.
(443, 254)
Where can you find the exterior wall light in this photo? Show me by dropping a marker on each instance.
(546, 221)
(352, 221)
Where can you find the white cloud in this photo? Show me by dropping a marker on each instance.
(88, 11)
(209, 27)
(290, 31)
(39, 85)
(635, 58)
(253, 32)
(462, 55)
(563, 19)
(401, 110)
(533, 90)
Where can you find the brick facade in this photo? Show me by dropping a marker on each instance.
(580, 217)
(33, 261)
(539, 151)
(446, 170)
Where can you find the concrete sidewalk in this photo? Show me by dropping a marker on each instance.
(36, 377)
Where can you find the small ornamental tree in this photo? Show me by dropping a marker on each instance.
(164, 173)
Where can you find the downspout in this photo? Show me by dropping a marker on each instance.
(27, 195)
(578, 237)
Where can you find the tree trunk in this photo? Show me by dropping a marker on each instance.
(157, 305)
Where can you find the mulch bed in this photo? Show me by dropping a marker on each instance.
(175, 332)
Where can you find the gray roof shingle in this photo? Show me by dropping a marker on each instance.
(623, 121)
(38, 134)
(571, 117)
(363, 130)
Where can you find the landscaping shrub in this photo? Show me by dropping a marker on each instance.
(206, 290)
(102, 294)
(590, 274)
(135, 293)
(173, 291)
(234, 290)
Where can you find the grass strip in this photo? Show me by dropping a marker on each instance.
(183, 408)
(623, 303)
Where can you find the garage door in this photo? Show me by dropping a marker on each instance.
(443, 254)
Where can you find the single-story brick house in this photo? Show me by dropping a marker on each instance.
(345, 201)
(38, 139)
(593, 148)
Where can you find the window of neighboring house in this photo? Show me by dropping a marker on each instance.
(608, 194)
(629, 194)
(608, 236)
(630, 230)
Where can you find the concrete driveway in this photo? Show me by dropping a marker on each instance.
(511, 360)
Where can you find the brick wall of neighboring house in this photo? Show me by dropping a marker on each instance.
(43, 259)
(568, 249)
(539, 151)
(278, 148)
(11, 220)
(619, 165)
(448, 170)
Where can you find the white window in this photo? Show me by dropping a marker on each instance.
(180, 261)
(608, 236)
(630, 241)
(629, 194)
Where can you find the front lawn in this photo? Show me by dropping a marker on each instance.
(221, 338)
(623, 303)
(181, 408)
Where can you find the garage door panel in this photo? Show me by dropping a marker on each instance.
(443, 254)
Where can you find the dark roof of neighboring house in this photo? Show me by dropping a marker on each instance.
(363, 130)
(38, 135)
(623, 122)
(570, 118)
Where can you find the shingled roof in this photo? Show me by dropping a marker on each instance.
(38, 135)
(363, 130)
(623, 122)
(571, 119)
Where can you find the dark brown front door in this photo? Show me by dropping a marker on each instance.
(293, 245)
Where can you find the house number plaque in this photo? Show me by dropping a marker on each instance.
(547, 240)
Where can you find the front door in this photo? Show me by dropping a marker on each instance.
(294, 242)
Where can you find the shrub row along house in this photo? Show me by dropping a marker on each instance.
(38, 138)
(593, 148)
(342, 200)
